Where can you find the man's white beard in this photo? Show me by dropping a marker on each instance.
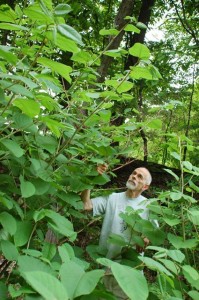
(130, 186)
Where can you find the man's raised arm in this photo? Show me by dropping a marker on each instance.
(85, 195)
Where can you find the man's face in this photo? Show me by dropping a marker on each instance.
(137, 180)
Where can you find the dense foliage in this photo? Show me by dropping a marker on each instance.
(58, 121)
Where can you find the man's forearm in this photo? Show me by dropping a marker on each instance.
(85, 196)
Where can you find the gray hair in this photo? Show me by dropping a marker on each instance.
(148, 179)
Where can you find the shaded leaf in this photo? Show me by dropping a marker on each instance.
(8, 222)
(46, 285)
(13, 147)
(70, 32)
(9, 250)
(125, 276)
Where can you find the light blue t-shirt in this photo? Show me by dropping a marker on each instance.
(112, 206)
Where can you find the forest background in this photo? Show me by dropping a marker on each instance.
(83, 84)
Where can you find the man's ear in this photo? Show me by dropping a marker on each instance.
(145, 187)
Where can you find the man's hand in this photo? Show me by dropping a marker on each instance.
(141, 249)
(102, 168)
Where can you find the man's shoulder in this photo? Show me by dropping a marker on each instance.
(116, 196)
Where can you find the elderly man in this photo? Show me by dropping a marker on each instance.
(116, 203)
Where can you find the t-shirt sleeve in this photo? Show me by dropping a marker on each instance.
(99, 205)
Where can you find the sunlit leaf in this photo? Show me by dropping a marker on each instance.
(29, 107)
(9, 26)
(139, 50)
(57, 67)
(111, 31)
(132, 28)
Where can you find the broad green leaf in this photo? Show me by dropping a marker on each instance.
(178, 242)
(138, 72)
(23, 232)
(24, 122)
(8, 55)
(48, 143)
(15, 292)
(3, 291)
(176, 195)
(170, 265)
(76, 281)
(9, 26)
(70, 32)
(189, 198)
(190, 274)
(104, 261)
(172, 221)
(62, 9)
(46, 285)
(29, 107)
(3, 100)
(140, 51)
(41, 186)
(31, 84)
(193, 216)
(49, 250)
(57, 222)
(82, 57)
(125, 276)
(17, 89)
(34, 12)
(111, 31)
(124, 87)
(57, 67)
(8, 222)
(66, 252)
(63, 42)
(115, 52)
(88, 282)
(176, 255)
(7, 14)
(141, 25)
(27, 188)
(132, 28)
(154, 265)
(5, 201)
(172, 173)
(194, 295)
(116, 239)
(155, 124)
(13, 147)
(193, 186)
(187, 165)
(9, 250)
(27, 263)
(191, 271)
(175, 155)
(32, 252)
(53, 125)
(71, 274)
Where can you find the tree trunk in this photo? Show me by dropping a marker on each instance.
(125, 9)
(142, 132)
(144, 17)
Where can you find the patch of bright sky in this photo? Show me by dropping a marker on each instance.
(154, 35)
